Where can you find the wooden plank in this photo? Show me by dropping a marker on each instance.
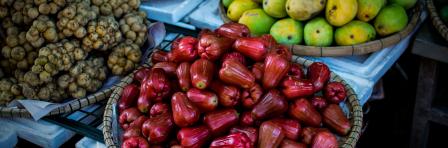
(424, 97)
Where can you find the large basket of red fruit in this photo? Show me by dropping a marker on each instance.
(202, 94)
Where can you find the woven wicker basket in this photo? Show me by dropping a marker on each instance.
(7, 112)
(360, 49)
(436, 21)
(352, 106)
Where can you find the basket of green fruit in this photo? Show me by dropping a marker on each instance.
(204, 93)
(439, 17)
(59, 56)
(327, 27)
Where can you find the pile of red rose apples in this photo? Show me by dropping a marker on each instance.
(225, 89)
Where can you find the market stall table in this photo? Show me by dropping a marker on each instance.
(434, 51)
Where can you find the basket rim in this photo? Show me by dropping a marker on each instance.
(348, 141)
(359, 49)
(74, 105)
(437, 22)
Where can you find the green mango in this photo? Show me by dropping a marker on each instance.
(391, 19)
(238, 7)
(368, 9)
(318, 32)
(303, 10)
(287, 31)
(404, 3)
(355, 32)
(257, 21)
(227, 3)
(444, 13)
(340, 12)
(275, 8)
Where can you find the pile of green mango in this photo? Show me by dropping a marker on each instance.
(321, 22)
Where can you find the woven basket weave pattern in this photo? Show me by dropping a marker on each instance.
(436, 21)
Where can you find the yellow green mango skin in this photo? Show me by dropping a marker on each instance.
(407, 4)
(340, 12)
(355, 32)
(318, 32)
(275, 8)
(368, 9)
(303, 10)
(257, 21)
(391, 19)
(287, 31)
(227, 3)
(238, 7)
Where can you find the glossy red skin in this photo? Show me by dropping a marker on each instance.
(183, 50)
(334, 117)
(212, 47)
(159, 109)
(159, 56)
(254, 97)
(302, 110)
(132, 132)
(233, 30)
(236, 140)
(221, 121)
(138, 122)
(158, 129)
(143, 101)
(228, 96)
(269, 41)
(319, 102)
(250, 132)
(205, 100)
(295, 88)
(324, 140)
(286, 143)
(234, 55)
(128, 97)
(308, 134)
(283, 51)
(318, 74)
(270, 135)
(156, 86)
(135, 142)
(275, 68)
(246, 119)
(193, 137)
(296, 71)
(252, 47)
(128, 116)
(335, 92)
(258, 70)
(168, 67)
(205, 32)
(141, 73)
(201, 73)
(184, 112)
(235, 73)
(183, 74)
(291, 127)
(271, 104)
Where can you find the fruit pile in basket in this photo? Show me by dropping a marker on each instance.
(225, 89)
(57, 49)
(321, 22)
